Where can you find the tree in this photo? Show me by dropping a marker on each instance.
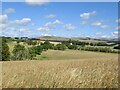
(74, 47)
(47, 45)
(19, 52)
(35, 50)
(117, 47)
(5, 51)
(60, 47)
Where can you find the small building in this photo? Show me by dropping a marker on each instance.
(71, 44)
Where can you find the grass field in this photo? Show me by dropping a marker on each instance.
(73, 54)
(68, 69)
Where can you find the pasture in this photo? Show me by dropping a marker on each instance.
(74, 54)
(67, 69)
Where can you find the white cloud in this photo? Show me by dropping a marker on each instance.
(9, 10)
(105, 26)
(98, 33)
(2, 26)
(50, 16)
(36, 2)
(104, 36)
(53, 23)
(115, 34)
(24, 21)
(16, 32)
(22, 29)
(49, 25)
(57, 22)
(87, 15)
(100, 24)
(97, 23)
(43, 28)
(33, 24)
(10, 29)
(83, 22)
(3, 18)
(46, 34)
(117, 28)
(69, 27)
(118, 20)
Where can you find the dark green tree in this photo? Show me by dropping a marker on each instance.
(19, 52)
(60, 47)
(4, 50)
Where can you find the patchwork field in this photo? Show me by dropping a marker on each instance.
(68, 69)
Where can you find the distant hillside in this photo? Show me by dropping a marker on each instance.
(57, 38)
(53, 38)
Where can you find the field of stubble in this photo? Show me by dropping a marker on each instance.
(75, 73)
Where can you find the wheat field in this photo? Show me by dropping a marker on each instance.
(91, 72)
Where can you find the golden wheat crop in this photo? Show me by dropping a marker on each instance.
(82, 73)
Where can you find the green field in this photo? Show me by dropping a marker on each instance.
(73, 54)
(64, 55)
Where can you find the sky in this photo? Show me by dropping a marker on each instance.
(65, 19)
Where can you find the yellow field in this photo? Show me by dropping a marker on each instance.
(88, 70)
(55, 43)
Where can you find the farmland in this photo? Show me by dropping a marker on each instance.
(64, 44)
(97, 70)
(72, 54)
(65, 64)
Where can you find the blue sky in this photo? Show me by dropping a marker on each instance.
(66, 19)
